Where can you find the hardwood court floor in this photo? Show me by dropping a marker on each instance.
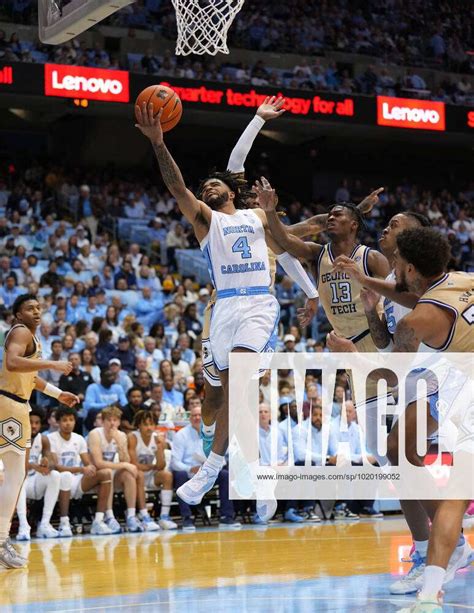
(329, 567)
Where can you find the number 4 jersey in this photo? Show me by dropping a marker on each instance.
(236, 251)
(245, 314)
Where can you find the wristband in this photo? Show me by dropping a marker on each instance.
(295, 270)
(52, 390)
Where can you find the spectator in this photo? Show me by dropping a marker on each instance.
(101, 395)
(130, 410)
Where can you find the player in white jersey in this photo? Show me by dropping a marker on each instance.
(42, 482)
(146, 450)
(235, 243)
(73, 461)
(108, 448)
(270, 109)
(18, 378)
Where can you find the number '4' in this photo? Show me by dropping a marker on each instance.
(241, 245)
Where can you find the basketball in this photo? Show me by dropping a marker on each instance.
(165, 98)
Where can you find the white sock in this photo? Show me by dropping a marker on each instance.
(131, 513)
(13, 477)
(21, 509)
(99, 517)
(214, 461)
(109, 514)
(166, 496)
(421, 547)
(64, 521)
(50, 497)
(143, 513)
(432, 581)
(209, 430)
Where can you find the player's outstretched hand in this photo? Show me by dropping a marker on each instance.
(339, 344)
(345, 264)
(61, 366)
(370, 299)
(147, 124)
(306, 314)
(370, 201)
(271, 108)
(70, 400)
(266, 195)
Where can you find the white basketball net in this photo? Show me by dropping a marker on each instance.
(203, 25)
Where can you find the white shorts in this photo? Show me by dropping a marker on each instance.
(36, 484)
(150, 480)
(76, 489)
(249, 322)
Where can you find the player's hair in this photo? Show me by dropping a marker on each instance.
(426, 249)
(38, 412)
(20, 300)
(422, 220)
(63, 411)
(111, 411)
(234, 181)
(143, 416)
(355, 213)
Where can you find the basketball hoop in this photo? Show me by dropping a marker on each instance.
(203, 25)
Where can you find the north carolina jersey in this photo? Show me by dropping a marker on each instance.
(146, 454)
(109, 448)
(36, 451)
(20, 384)
(455, 293)
(339, 294)
(236, 251)
(69, 451)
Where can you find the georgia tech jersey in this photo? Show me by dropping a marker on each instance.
(455, 293)
(21, 384)
(339, 294)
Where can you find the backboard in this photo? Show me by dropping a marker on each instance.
(62, 20)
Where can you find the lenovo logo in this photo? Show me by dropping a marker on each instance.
(408, 113)
(87, 83)
(6, 75)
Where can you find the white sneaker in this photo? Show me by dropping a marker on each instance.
(47, 531)
(10, 558)
(24, 534)
(192, 491)
(149, 525)
(266, 509)
(167, 524)
(100, 527)
(413, 580)
(65, 531)
(459, 559)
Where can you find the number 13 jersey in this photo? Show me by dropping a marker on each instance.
(339, 294)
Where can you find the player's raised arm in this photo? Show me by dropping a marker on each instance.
(271, 108)
(196, 212)
(317, 223)
(267, 200)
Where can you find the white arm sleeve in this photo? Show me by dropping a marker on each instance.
(295, 270)
(244, 144)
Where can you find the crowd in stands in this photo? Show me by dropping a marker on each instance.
(130, 322)
(381, 30)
